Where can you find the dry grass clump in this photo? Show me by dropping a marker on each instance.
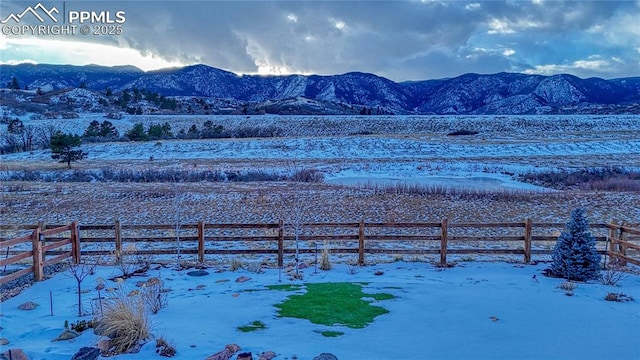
(568, 287)
(325, 263)
(124, 320)
(163, 348)
(618, 297)
(236, 264)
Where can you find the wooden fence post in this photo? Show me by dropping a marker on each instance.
(443, 242)
(38, 259)
(118, 239)
(361, 242)
(613, 226)
(528, 230)
(280, 243)
(201, 241)
(75, 242)
(622, 249)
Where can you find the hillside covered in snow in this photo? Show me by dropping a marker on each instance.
(350, 93)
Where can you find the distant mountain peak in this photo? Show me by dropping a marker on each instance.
(501, 93)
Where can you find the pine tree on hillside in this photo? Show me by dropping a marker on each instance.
(64, 148)
(107, 130)
(575, 256)
(14, 84)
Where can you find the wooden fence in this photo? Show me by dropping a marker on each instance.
(48, 245)
(39, 248)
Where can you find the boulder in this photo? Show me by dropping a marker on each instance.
(245, 356)
(267, 355)
(197, 273)
(325, 356)
(242, 279)
(67, 334)
(104, 346)
(225, 354)
(14, 354)
(29, 305)
(4, 341)
(87, 353)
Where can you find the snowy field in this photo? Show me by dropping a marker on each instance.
(357, 149)
(475, 310)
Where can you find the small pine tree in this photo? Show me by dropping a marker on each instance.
(63, 148)
(107, 130)
(14, 84)
(575, 256)
(137, 133)
(93, 130)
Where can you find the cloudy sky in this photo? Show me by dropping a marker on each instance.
(400, 40)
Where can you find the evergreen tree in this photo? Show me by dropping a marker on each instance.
(137, 133)
(93, 130)
(64, 148)
(155, 131)
(211, 131)
(193, 132)
(14, 84)
(107, 130)
(166, 130)
(575, 256)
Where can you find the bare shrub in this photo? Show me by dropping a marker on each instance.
(235, 264)
(403, 188)
(307, 175)
(154, 295)
(352, 269)
(124, 320)
(597, 178)
(612, 275)
(618, 297)
(568, 287)
(163, 348)
(325, 263)
(130, 262)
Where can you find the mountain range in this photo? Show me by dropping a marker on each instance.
(502, 93)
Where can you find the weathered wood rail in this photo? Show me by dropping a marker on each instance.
(39, 247)
(50, 244)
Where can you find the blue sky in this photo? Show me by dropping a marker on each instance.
(400, 40)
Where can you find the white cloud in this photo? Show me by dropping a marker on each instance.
(339, 24)
(497, 26)
(402, 40)
(79, 53)
(572, 68)
(473, 6)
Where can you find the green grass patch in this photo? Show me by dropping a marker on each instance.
(255, 325)
(285, 287)
(334, 304)
(329, 333)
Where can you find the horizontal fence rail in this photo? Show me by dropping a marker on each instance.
(44, 245)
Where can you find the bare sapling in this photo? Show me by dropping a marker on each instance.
(293, 209)
(177, 213)
(80, 271)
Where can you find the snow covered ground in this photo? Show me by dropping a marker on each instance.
(360, 149)
(475, 310)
